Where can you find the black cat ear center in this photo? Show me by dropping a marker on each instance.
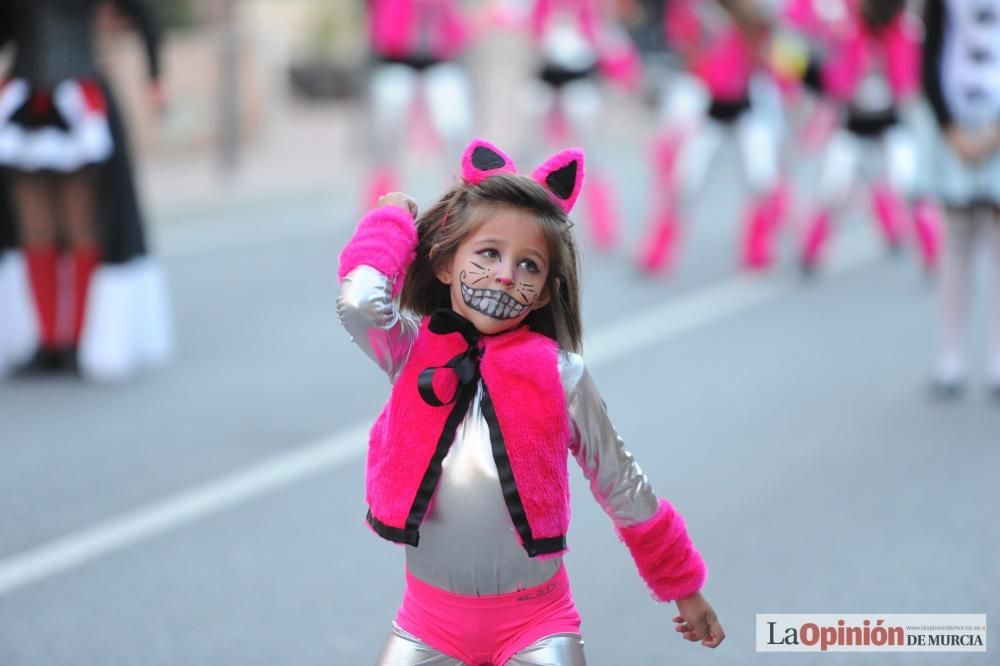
(485, 159)
(562, 181)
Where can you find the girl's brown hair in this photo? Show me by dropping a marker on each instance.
(459, 213)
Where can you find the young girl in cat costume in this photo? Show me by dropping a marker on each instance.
(489, 398)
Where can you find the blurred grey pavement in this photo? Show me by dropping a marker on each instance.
(211, 513)
(306, 150)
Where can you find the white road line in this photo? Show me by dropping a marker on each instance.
(186, 507)
(677, 317)
(657, 325)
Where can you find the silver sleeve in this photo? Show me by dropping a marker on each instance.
(369, 314)
(616, 480)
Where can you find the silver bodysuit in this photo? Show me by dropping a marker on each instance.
(468, 506)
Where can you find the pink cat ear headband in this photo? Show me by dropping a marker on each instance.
(561, 175)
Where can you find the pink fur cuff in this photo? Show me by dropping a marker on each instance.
(386, 240)
(664, 555)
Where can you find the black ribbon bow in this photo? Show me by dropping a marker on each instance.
(466, 368)
(464, 365)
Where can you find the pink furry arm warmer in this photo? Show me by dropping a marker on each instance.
(386, 240)
(664, 554)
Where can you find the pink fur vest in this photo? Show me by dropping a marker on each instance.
(524, 404)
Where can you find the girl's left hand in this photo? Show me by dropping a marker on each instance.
(698, 622)
(400, 200)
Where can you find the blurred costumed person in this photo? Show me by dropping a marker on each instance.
(578, 43)
(870, 69)
(417, 74)
(94, 301)
(724, 46)
(961, 76)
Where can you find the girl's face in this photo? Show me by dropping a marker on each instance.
(499, 272)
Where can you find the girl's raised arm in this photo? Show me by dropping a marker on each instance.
(372, 268)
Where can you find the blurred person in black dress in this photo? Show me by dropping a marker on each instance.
(99, 301)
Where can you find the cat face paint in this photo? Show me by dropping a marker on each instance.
(493, 302)
(498, 274)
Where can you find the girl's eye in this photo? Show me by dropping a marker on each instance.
(489, 253)
(529, 265)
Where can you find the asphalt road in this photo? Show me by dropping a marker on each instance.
(211, 513)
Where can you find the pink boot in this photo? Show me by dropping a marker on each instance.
(382, 181)
(554, 127)
(819, 126)
(927, 225)
(757, 251)
(665, 150)
(815, 241)
(423, 135)
(763, 221)
(602, 216)
(890, 212)
(657, 252)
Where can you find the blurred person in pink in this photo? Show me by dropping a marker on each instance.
(80, 291)
(577, 43)
(473, 312)
(869, 70)
(961, 78)
(727, 84)
(417, 75)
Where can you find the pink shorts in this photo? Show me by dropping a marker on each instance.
(491, 629)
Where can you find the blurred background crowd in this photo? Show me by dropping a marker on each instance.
(176, 179)
(258, 95)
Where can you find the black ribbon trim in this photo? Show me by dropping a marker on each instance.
(511, 496)
(390, 533)
(466, 368)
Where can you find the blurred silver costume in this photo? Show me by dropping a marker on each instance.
(468, 506)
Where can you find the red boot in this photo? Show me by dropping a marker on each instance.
(43, 264)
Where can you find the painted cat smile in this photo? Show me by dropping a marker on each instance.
(493, 302)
